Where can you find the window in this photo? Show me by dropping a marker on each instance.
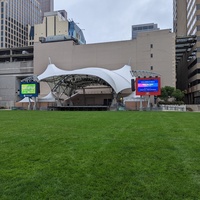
(198, 28)
(151, 46)
(198, 60)
(198, 6)
(151, 68)
(198, 17)
(151, 55)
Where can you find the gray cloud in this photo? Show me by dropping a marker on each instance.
(111, 20)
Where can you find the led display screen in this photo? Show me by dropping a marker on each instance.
(148, 86)
(29, 89)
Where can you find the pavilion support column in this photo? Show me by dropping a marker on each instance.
(35, 104)
(58, 103)
(141, 106)
(84, 99)
(29, 103)
(114, 105)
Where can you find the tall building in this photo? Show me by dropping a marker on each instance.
(15, 18)
(54, 23)
(56, 27)
(143, 28)
(186, 22)
(46, 6)
(180, 17)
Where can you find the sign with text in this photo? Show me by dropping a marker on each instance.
(148, 86)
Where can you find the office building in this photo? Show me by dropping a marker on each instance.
(16, 16)
(56, 27)
(186, 22)
(143, 28)
(46, 6)
(54, 23)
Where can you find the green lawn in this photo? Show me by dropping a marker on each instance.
(99, 155)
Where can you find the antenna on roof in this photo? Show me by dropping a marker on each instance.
(49, 60)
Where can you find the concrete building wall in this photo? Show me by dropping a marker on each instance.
(50, 26)
(10, 75)
(20, 68)
(152, 50)
(61, 27)
(40, 31)
(8, 91)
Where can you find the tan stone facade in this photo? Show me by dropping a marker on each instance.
(53, 24)
(150, 51)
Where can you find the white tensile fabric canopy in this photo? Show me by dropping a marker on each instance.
(48, 98)
(25, 100)
(119, 79)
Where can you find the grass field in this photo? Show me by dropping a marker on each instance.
(99, 155)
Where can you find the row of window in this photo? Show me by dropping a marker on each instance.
(195, 72)
(191, 15)
(13, 38)
(198, 6)
(12, 23)
(193, 83)
(26, 12)
(13, 44)
(190, 7)
(142, 28)
(192, 64)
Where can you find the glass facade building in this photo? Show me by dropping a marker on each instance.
(76, 32)
(46, 6)
(16, 16)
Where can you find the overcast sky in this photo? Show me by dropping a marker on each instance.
(111, 20)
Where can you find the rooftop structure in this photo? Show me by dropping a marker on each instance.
(56, 27)
(143, 28)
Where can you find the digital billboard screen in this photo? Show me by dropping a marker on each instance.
(148, 86)
(29, 89)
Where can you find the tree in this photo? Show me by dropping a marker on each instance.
(178, 95)
(166, 92)
(170, 92)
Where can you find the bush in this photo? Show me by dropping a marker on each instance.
(168, 92)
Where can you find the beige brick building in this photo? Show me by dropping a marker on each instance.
(54, 23)
(151, 51)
